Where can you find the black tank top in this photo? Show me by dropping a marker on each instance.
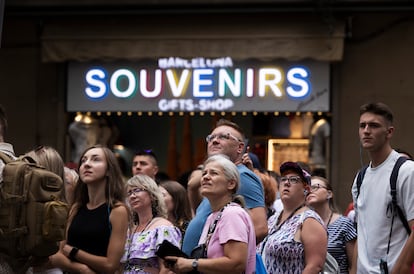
(90, 230)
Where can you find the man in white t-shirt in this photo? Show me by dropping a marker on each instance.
(374, 219)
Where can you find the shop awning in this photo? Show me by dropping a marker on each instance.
(130, 40)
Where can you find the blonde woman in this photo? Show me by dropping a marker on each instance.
(150, 228)
(71, 180)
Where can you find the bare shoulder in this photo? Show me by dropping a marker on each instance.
(161, 221)
(120, 209)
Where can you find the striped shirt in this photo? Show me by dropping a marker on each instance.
(341, 231)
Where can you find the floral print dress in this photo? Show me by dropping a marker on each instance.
(281, 253)
(140, 247)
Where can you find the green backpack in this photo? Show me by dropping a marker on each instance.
(32, 214)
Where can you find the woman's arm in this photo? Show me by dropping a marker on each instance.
(233, 261)
(109, 264)
(60, 260)
(315, 240)
(349, 248)
(353, 269)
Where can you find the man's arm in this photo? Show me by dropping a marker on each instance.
(259, 218)
(251, 189)
(193, 190)
(406, 258)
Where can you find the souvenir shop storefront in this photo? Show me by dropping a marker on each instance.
(170, 104)
(164, 86)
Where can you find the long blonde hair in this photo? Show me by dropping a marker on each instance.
(157, 199)
(49, 158)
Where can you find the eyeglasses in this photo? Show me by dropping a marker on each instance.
(292, 180)
(222, 137)
(315, 187)
(135, 191)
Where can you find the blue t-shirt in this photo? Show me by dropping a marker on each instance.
(250, 188)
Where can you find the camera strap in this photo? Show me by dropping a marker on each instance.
(214, 225)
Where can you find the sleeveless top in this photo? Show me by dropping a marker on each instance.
(90, 230)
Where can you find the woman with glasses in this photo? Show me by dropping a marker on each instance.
(150, 228)
(297, 238)
(341, 231)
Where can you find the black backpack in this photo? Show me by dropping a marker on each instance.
(393, 185)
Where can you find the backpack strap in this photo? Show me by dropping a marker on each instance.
(5, 158)
(360, 178)
(393, 185)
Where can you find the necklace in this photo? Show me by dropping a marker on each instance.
(131, 237)
(330, 218)
(277, 227)
(146, 226)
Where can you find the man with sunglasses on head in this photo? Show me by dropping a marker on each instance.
(227, 139)
(381, 233)
(145, 162)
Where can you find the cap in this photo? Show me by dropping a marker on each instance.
(295, 167)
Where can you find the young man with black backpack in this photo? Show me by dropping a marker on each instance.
(381, 231)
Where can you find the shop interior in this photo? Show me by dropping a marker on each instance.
(178, 139)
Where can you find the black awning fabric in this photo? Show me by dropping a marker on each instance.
(106, 41)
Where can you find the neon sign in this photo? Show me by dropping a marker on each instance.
(197, 84)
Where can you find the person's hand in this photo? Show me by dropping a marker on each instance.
(84, 269)
(194, 181)
(57, 259)
(246, 159)
(178, 264)
(66, 250)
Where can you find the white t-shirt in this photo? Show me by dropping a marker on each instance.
(371, 212)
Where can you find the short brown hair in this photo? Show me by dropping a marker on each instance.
(378, 109)
(224, 122)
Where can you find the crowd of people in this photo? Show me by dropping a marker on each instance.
(232, 216)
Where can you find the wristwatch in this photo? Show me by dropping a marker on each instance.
(73, 253)
(195, 265)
